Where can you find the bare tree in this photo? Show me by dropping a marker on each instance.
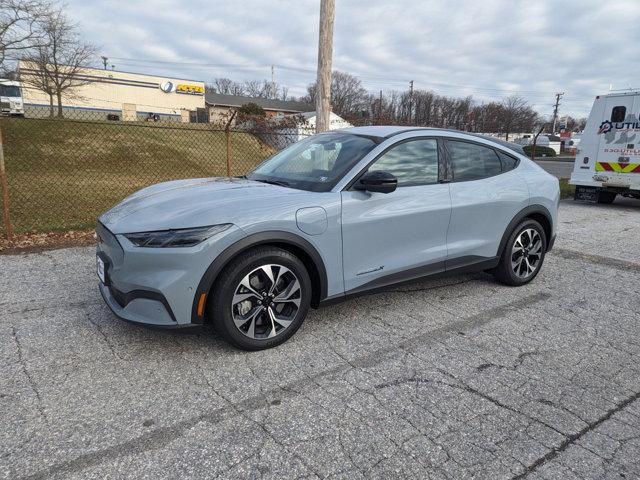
(575, 124)
(255, 88)
(348, 97)
(20, 25)
(226, 86)
(250, 88)
(284, 93)
(517, 116)
(56, 68)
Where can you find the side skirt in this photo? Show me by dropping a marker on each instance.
(437, 270)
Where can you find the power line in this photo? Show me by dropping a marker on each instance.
(380, 78)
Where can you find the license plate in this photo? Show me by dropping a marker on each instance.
(100, 269)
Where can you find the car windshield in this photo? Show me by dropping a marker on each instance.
(9, 91)
(316, 163)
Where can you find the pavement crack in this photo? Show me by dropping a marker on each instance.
(30, 379)
(571, 439)
(550, 403)
(521, 358)
(568, 254)
(104, 336)
(401, 381)
(468, 388)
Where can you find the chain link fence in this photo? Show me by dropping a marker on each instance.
(63, 172)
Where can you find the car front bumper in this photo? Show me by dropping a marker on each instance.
(156, 286)
(141, 311)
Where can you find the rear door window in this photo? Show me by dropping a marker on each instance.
(471, 161)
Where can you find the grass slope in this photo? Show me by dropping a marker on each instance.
(63, 174)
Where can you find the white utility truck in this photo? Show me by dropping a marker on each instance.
(11, 98)
(608, 157)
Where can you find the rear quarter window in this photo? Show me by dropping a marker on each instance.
(508, 162)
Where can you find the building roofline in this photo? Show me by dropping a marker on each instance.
(134, 73)
(222, 104)
(219, 99)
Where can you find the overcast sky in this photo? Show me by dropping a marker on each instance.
(489, 49)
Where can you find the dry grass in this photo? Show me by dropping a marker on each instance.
(63, 174)
(566, 190)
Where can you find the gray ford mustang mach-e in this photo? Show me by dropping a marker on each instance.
(335, 215)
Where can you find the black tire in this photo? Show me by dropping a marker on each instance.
(221, 311)
(606, 197)
(504, 271)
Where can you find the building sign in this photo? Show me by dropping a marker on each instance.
(190, 89)
(166, 87)
(186, 88)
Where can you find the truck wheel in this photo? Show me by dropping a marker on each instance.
(606, 197)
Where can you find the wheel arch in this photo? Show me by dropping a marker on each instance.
(288, 241)
(539, 213)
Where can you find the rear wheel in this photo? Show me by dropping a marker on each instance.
(606, 197)
(261, 298)
(523, 254)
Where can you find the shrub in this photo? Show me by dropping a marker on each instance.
(540, 151)
(251, 109)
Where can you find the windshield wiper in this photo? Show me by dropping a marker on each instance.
(281, 183)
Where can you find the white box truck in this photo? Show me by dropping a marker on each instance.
(11, 98)
(607, 160)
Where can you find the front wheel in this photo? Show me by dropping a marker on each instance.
(261, 298)
(523, 254)
(606, 197)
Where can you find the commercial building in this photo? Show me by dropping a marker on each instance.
(125, 95)
(305, 127)
(220, 106)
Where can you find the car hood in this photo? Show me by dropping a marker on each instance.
(194, 203)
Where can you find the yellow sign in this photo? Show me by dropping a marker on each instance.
(189, 89)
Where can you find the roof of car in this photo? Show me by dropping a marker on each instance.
(386, 131)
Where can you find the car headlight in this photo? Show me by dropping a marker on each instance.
(184, 237)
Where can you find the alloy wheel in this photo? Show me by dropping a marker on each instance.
(266, 301)
(526, 253)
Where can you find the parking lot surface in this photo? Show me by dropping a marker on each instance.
(452, 378)
(557, 168)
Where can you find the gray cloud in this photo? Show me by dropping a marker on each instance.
(487, 48)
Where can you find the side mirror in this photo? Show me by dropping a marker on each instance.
(377, 181)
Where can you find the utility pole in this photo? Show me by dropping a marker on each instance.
(325, 51)
(380, 109)
(410, 100)
(104, 62)
(555, 111)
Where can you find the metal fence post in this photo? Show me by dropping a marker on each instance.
(227, 134)
(4, 186)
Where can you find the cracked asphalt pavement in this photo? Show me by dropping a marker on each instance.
(446, 379)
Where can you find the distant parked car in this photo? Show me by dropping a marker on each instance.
(333, 216)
